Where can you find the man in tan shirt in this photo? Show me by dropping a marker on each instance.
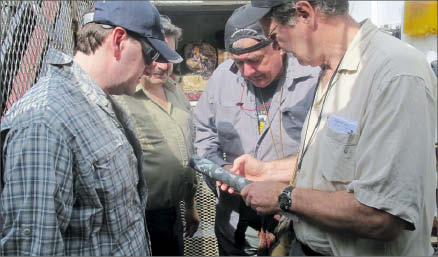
(365, 173)
(162, 119)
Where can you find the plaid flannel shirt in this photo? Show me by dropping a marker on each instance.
(72, 171)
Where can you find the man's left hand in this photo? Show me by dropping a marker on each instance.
(263, 196)
(192, 221)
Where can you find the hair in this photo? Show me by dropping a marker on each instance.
(171, 30)
(90, 37)
(286, 13)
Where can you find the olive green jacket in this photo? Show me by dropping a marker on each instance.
(166, 138)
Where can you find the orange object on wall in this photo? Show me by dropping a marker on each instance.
(420, 18)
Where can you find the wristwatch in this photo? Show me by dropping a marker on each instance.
(284, 199)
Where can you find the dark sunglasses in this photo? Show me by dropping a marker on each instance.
(150, 55)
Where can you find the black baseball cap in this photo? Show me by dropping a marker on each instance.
(236, 29)
(257, 10)
(140, 17)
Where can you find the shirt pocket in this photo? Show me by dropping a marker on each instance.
(337, 155)
(227, 125)
(116, 175)
(293, 120)
(147, 128)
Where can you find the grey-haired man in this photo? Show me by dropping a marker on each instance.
(72, 172)
(253, 104)
(366, 171)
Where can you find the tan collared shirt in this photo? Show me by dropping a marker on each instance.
(375, 140)
(166, 138)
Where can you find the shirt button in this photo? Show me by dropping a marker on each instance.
(26, 231)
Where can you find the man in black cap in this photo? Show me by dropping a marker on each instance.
(72, 173)
(254, 104)
(366, 172)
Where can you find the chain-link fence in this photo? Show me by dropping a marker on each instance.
(28, 30)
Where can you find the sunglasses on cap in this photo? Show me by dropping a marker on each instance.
(150, 55)
(166, 18)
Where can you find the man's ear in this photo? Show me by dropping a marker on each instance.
(305, 12)
(118, 36)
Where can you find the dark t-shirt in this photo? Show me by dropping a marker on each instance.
(263, 102)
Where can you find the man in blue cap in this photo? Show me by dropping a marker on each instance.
(72, 172)
(366, 171)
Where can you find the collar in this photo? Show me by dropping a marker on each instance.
(294, 70)
(86, 84)
(56, 57)
(354, 51)
(169, 85)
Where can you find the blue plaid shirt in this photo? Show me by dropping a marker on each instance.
(72, 171)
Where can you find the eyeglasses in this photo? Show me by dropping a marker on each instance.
(272, 36)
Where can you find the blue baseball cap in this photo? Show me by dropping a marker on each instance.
(257, 10)
(140, 17)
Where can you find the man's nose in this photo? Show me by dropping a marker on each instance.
(248, 70)
(148, 70)
(162, 65)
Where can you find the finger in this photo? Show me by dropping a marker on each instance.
(192, 230)
(245, 191)
(261, 211)
(231, 190)
(234, 169)
(189, 233)
(224, 187)
(277, 217)
(248, 201)
(218, 183)
(237, 166)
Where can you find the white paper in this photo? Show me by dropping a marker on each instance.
(342, 125)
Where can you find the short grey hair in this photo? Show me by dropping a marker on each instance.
(286, 13)
(171, 30)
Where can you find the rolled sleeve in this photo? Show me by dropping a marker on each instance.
(37, 197)
(394, 157)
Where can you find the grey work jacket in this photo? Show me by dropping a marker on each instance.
(226, 122)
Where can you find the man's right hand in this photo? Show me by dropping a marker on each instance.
(247, 167)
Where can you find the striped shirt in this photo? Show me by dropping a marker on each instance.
(72, 171)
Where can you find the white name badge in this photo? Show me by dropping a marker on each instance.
(342, 125)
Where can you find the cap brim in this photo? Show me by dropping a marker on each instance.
(250, 15)
(165, 51)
